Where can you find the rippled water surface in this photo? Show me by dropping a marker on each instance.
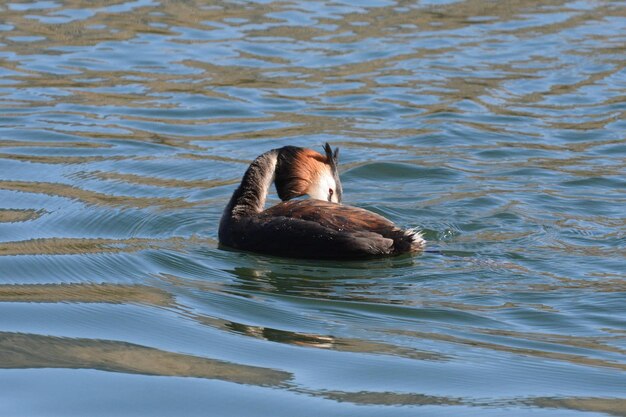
(498, 128)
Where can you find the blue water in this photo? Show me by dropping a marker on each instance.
(498, 128)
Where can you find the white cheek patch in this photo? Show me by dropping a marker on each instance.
(333, 185)
(319, 190)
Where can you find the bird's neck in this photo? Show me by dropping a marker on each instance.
(250, 197)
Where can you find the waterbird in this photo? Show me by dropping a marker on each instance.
(319, 227)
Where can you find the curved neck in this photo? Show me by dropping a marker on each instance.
(250, 197)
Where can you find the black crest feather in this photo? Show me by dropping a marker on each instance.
(332, 156)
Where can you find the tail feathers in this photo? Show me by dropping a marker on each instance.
(406, 241)
(416, 239)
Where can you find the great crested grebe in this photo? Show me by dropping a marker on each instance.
(318, 227)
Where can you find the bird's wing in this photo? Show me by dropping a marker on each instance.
(331, 215)
(297, 237)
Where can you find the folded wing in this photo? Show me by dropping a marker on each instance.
(323, 230)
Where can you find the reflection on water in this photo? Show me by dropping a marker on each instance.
(34, 351)
(497, 128)
(10, 216)
(85, 293)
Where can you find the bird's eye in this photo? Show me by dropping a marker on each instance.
(330, 194)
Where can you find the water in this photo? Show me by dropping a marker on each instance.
(496, 127)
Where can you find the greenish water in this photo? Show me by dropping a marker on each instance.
(498, 128)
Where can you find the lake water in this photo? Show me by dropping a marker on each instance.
(498, 128)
